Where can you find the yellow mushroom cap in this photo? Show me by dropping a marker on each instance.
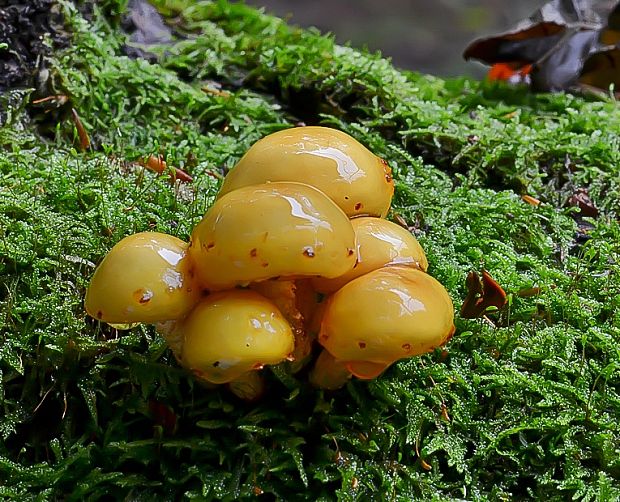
(379, 243)
(232, 332)
(386, 315)
(365, 370)
(358, 181)
(146, 277)
(271, 230)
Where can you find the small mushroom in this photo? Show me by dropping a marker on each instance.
(330, 160)
(379, 243)
(146, 277)
(249, 386)
(233, 332)
(287, 230)
(386, 315)
(328, 373)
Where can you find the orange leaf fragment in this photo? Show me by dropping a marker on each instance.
(509, 72)
(532, 201)
(157, 164)
(444, 412)
(81, 131)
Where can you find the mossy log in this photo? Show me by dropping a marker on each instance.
(523, 403)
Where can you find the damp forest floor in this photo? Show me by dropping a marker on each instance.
(524, 404)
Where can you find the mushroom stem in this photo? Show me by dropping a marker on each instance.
(328, 372)
(250, 386)
(169, 331)
(283, 294)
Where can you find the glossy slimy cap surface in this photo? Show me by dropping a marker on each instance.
(232, 332)
(358, 181)
(271, 230)
(386, 315)
(146, 277)
(379, 243)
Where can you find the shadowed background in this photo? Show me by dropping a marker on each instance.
(421, 35)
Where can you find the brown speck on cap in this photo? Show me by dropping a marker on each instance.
(99, 314)
(142, 296)
(216, 364)
(211, 245)
(253, 252)
(350, 252)
(264, 264)
(361, 345)
(388, 178)
(309, 252)
(406, 347)
(358, 206)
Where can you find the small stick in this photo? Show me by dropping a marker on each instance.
(61, 99)
(532, 201)
(82, 134)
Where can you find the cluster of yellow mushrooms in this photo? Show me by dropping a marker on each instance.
(294, 258)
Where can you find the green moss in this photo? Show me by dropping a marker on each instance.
(523, 406)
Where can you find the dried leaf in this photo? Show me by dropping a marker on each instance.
(561, 66)
(581, 199)
(532, 201)
(602, 69)
(566, 42)
(163, 416)
(481, 294)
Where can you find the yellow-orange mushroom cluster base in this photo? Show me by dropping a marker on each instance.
(293, 263)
